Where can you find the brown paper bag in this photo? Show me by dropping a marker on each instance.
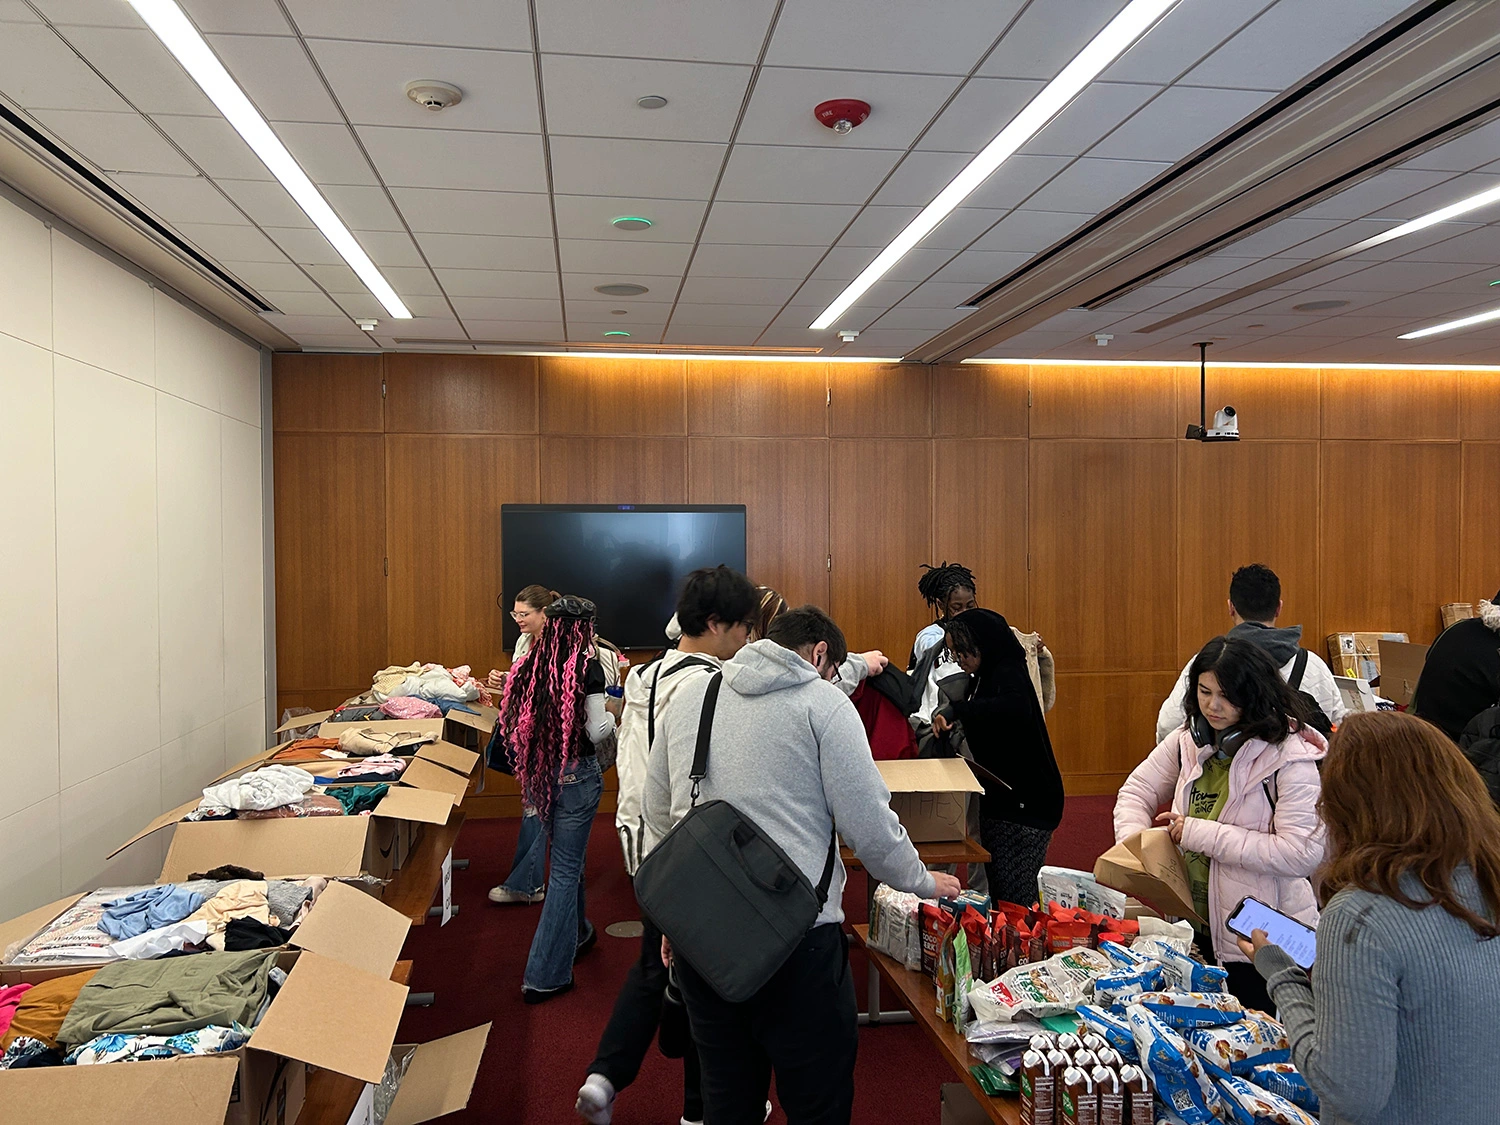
(1149, 866)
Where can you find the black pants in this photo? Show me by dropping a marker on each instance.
(633, 1024)
(1017, 853)
(801, 1025)
(1249, 986)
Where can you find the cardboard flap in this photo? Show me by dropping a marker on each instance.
(1149, 866)
(480, 718)
(184, 1091)
(429, 806)
(439, 1078)
(456, 758)
(1400, 669)
(929, 775)
(27, 925)
(164, 821)
(430, 729)
(332, 1015)
(422, 774)
(244, 767)
(298, 722)
(314, 845)
(350, 926)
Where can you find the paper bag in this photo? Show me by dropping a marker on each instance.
(1149, 866)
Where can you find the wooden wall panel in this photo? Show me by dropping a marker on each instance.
(613, 470)
(979, 518)
(1241, 503)
(1390, 405)
(327, 393)
(445, 557)
(1392, 537)
(757, 399)
(1479, 405)
(330, 547)
(880, 400)
(980, 400)
(1272, 402)
(586, 395)
(1479, 557)
(784, 487)
(1103, 726)
(1112, 402)
(461, 394)
(1104, 533)
(880, 529)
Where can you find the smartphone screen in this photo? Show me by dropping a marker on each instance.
(1298, 940)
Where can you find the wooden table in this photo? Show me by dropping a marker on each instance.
(411, 889)
(331, 1097)
(920, 998)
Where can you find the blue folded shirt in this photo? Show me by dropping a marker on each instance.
(149, 909)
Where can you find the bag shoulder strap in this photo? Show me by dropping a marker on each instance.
(690, 662)
(705, 731)
(1299, 669)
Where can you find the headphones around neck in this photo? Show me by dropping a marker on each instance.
(1204, 735)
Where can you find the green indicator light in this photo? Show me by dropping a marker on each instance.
(617, 333)
(630, 222)
(1496, 281)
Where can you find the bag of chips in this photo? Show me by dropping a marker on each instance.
(1237, 1047)
(1116, 989)
(1177, 1075)
(1182, 972)
(1264, 1107)
(1285, 1080)
(1186, 1010)
(1124, 957)
(1047, 988)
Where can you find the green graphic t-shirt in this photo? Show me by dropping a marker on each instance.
(1206, 801)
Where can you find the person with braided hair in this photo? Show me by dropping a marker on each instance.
(948, 589)
(553, 714)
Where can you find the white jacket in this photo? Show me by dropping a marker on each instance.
(1317, 681)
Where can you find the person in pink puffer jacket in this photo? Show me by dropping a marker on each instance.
(1241, 777)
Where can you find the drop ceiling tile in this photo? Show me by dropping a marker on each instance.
(1412, 245)
(305, 245)
(980, 267)
(821, 292)
(797, 317)
(440, 211)
(213, 145)
(809, 224)
(901, 105)
(705, 336)
(266, 202)
(362, 208)
(919, 177)
(508, 308)
(754, 260)
(276, 74)
(595, 332)
(1475, 148)
(789, 337)
(364, 305)
(1208, 269)
(1030, 231)
(847, 262)
(327, 153)
(940, 294)
(589, 216)
(1450, 192)
(516, 331)
(1475, 282)
(499, 87)
(961, 227)
(1015, 181)
(1377, 192)
(1177, 122)
(180, 199)
(1345, 326)
(1281, 237)
(982, 108)
(488, 252)
(698, 32)
(1097, 110)
(735, 290)
(1181, 38)
(595, 97)
(1413, 310)
(1045, 37)
(445, 158)
(497, 283)
(38, 71)
(115, 142)
(458, 23)
(233, 242)
(436, 327)
(691, 314)
(136, 63)
(14, 11)
(881, 343)
(294, 326)
(1090, 185)
(407, 280)
(586, 255)
(1147, 297)
(580, 287)
(342, 279)
(773, 174)
(1407, 276)
(280, 277)
(863, 35)
(248, 16)
(302, 303)
(610, 166)
(389, 248)
(916, 319)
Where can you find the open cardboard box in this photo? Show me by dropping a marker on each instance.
(931, 796)
(338, 1010)
(470, 729)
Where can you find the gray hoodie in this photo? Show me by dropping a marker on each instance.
(790, 752)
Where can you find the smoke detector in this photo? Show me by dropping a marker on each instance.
(367, 324)
(433, 95)
(848, 335)
(842, 115)
(1103, 338)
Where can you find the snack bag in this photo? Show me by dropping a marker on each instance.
(1114, 990)
(1047, 988)
(946, 977)
(1186, 1010)
(1182, 972)
(934, 923)
(1114, 1030)
(1237, 1047)
(963, 978)
(1285, 1080)
(1124, 957)
(1263, 1107)
(1175, 1071)
(1065, 931)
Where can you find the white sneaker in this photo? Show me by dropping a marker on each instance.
(505, 894)
(767, 1117)
(685, 1121)
(596, 1100)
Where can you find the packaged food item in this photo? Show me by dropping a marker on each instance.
(1180, 971)
(1186, 1010)
(1114, 1030)
(1047, 988)
(1285, 1080)
(977, 899)
(1238, 1047)
(1091, 1040)
(1068, 887)
(945, 979)
(934, 923)
(1084, 1059)
(1263, 1107)
(963, 970)
(1140, 1095)
(1068, 929)
(1124, 957)
(1077, 1099)
(1111, 1093)
(992, 1081)
(1123, 985)
(1043, 1041)
(894, 926)
(1179, 1078)
(1038, 1083)
(1110, 1057)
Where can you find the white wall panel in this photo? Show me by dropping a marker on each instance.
(101, 314)
(31, 874)
(26, 280)
(189, 763)
(100, 814)
(243, 569)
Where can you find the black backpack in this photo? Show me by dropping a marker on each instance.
(1316, 717)
(1480, 743)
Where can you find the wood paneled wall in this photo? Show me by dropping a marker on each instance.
(1067, 488)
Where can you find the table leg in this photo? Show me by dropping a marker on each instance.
(872, 1016)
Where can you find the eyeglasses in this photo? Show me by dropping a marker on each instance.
(514, 616)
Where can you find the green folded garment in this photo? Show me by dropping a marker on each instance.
(170, 996)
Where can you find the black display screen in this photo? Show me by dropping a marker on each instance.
(629, 560)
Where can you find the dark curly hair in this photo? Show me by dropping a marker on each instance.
(1250, 679)
(939, 581)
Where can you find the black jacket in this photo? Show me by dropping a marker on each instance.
(1461, 676)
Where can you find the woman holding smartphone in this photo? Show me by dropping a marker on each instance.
(1400, 1019)
(1241, 776)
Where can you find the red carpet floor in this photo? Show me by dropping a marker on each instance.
(538, 1056)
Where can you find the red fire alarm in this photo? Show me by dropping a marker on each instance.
(842, 114)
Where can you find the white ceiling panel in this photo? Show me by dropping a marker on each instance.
(881, 342)
(888, 35)
(497, 283)
(1090, 185)
(445, 328)
(519, 331)
(15, 11)
(797, 224)
(595, 97)
(276, 74)
(844, 263)
(247, 16)
(512, 308)
(115, 142)
(915, 318)
(1280, 237)
(693, 314)
(754, 260)
(769, 174)
(717, 337)
(1381, 190)
(499, 87)
(266, 202)
(341, 279)
(982, 108)
(940, 294)
(458, 23)
(135, 63)
(1475, 148)
(901, 105)
(589, 216)
(919, 177)
(408, 281)
(488, 252)
(734, 290)
(307, 246)
(580, 287)
(180, 199)
(606, 308)
(594, 332)
(1045, 37)
(1178, 122)
(1097, 110)
(448, 158)
(234, 243)
(1016, 180)
(277, 277)
(362, 208)
(390, 248)
(1409, 276)
(213, 145)
(39, 71)
(1030, 230)
(1451, 191)
(979, 268)
(601, 255)
(328, 153)
(611, 166)
(959, 229)
(437, 211)
(365, 305)
(696, 32)
(874, 227)
(303, 303)
(1182, 37)
(1477, 281)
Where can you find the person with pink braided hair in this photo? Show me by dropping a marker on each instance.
(553, 714)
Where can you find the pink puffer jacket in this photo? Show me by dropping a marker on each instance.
(1268, 838)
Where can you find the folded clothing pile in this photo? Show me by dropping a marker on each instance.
(432, 682)
(381, 767)
(309, 750)
(266, 788)
(314, 804)
(369, 741)
(148, 909)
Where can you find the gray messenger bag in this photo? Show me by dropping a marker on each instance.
(725, 894)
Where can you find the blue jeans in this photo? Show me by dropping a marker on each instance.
(563, 921)
(528, 874)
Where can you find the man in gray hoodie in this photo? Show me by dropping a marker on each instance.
(789, 751)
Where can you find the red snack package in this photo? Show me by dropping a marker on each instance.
(934, 921)
(1063, 936)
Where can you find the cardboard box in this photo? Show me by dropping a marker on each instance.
(463, 728)
(1400, 668)
(1149, 866)
(1358, 695)
(931, 796)
(1357, 655)
(1454, 612)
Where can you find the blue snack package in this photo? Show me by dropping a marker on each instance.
(1122, 956)
(1263, 1107)
(1116, 989)
(1237, 1047)
(1285, 1080)
(1192, 975)
(1184, 1011)
(1180, 1081)
(1116, 1031)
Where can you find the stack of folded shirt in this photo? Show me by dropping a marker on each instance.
(314, 804)
(266, 788)
(382, 767)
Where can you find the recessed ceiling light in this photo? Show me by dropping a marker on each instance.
(1134, 21)
(1318, 306)
(1452, 325)
(651, 101)
(617, 332)
(180, 37)
(630, 222)
(621, 289)
(1496, 281)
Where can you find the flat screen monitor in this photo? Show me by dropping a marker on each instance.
(628, 559)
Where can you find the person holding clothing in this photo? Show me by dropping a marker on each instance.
(1242, 779)
(553, 714)
(992, 711)
(1399, 1020)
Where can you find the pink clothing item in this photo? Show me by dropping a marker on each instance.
(1257, 849)
(410, 707)
(10, 1000)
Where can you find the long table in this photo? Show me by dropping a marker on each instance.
(412, 888)
(331, 1097)
(920, 999)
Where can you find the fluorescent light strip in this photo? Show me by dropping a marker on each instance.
(181, 38)
(1136, 19)
(1453, 325)
(1441, 215)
